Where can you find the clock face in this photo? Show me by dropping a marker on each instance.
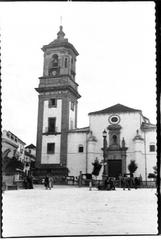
(53, 72)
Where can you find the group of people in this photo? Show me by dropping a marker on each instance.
(108, 184)
(125, 182)
(129, 182)
(48, 182)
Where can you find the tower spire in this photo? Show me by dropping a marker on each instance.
(60, 34)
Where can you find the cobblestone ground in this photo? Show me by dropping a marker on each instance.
(66, 210)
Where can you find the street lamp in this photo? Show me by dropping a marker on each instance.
(104, 152)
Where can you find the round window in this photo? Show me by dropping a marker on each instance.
(114, 119)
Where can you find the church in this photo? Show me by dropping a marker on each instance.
(115, 135)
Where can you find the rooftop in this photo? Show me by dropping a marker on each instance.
(31, 146)
(117, 108)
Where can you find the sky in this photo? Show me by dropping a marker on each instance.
(116, 62)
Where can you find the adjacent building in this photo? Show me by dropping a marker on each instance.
(14, 150)
(62, 148)
(12, 158)
(30, 157)
(13, 145)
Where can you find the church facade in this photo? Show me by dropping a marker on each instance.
(65, 149)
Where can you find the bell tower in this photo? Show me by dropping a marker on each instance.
(58, 99)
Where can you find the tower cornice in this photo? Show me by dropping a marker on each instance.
(58, 88)
(58, 77)
(57, 44)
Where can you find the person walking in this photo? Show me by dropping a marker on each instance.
(50, 182)
(25, 182)
(128, 183)
(107, 183)
(112, 185)
(80, 179)
(124, 182)
(46, 182)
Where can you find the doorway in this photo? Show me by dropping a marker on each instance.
(114, 168)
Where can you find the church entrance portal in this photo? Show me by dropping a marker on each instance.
(114, 168)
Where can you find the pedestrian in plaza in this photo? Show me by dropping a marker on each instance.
(46, 182)
(50, 182)
(125, 182)
(80, 179)
(25, 182)
(30, 181)
(120, 178)
(107, 183)
(136, 182)
(128, 182)
(90, 185)
(112, 185)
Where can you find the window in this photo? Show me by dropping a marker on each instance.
(52, 102)
(114, 119)
(50, 148)
(80, 148)
(114, 139)
(66, 63)
(55, 60)
(72, 106)
(152, 148)
(51, 124)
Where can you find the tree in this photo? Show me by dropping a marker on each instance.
(132, 167)
(13, 165)
(96, 168)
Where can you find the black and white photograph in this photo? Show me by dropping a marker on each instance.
(79, 129)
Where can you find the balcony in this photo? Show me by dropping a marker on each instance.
(49, 131)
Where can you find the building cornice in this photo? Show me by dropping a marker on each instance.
(80, 130)
(9, 142)
(117, 108)
(147, 126)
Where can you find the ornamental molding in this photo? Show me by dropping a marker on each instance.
(114, 127)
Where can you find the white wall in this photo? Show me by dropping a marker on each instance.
(151, 158)
(139, 158)
(76, 161)
(71, 116)
(52, 112)
(92, 155)
(50, 158)
(129, 122)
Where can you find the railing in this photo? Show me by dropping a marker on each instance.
(51, 131)
(117, 183)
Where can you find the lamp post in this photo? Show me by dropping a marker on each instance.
(104, 152)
